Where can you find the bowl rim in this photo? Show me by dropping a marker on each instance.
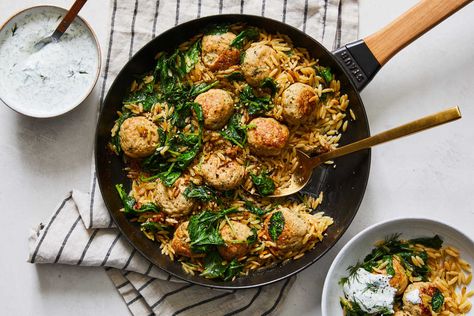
(94, 82)
(355, 238)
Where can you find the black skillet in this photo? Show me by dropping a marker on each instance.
(343, 187)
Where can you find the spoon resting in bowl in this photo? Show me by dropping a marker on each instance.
(306, 164)
(63, 25)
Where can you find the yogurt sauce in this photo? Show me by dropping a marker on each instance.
(53, 79)
(372, 292)
(413, 296)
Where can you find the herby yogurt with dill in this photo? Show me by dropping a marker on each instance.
(54, 79)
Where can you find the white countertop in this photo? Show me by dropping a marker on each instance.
(430, 174)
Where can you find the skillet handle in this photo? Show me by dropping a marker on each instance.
(363, 58)
(412, 24)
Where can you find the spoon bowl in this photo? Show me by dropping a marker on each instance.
(63, 25)
(306, 164)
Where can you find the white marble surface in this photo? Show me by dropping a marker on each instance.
(430, 174)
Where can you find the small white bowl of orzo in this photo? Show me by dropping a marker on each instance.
(402, 267)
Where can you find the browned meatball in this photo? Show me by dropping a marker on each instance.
(294, 230)
(138, 137)
(181, 242)
(258, 63)
(217, 107)
(172, 199)
(299, 100)
(217, 54)
(235, 239)
(267, 137)
(222, 175)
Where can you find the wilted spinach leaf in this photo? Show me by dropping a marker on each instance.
(247, 35)
(263, 183)
(270, 84)
(129, 203)
(235, 131)
(203, 229)
(145, 98)
(252, 208)
(325, 73)
(255, 105)
(154, 227)
(202, 193)
(236, 75)
(437, 301)
(116, 138)
(214, 267)
(435, 242)
(277, 223)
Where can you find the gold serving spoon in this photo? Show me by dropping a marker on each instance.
(306, 164)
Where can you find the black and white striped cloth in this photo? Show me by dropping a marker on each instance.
(81, 232)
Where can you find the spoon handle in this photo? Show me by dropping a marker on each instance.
(68, 18)
(419, 125)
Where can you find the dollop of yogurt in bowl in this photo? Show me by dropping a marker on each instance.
(55, 79)
(372, 292)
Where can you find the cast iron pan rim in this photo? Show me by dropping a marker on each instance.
(211, 19)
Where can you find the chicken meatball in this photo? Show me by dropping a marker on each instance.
(181, 242)
(299, 101)
(217, 107)
(295, 228)
(258, 63)
(235, 236)
(400, 279)
(267, 137)
(417, 298)
(138, 137)
(217, 54)
(172, 199)
(222, 175)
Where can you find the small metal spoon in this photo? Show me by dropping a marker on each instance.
(63, 25)
(306, 164)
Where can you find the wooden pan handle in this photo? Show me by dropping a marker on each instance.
(408, 27)
(70, 16)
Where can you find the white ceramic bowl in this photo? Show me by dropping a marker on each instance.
(361, 245)
(73, 99)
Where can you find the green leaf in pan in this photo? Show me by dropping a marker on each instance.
(263, 183)
(247, 35)
(203, 229)
(269, 83)
(276, 226)
(202, 193)
(191, 56)
(116, 138)
(143, 97)
(252, 208)
(325, 73)
(154, 227)
(235, 76)
(254, 104)
(129, 203)
(215, 267)
(235, 131)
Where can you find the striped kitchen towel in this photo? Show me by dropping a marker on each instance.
(81, 232)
